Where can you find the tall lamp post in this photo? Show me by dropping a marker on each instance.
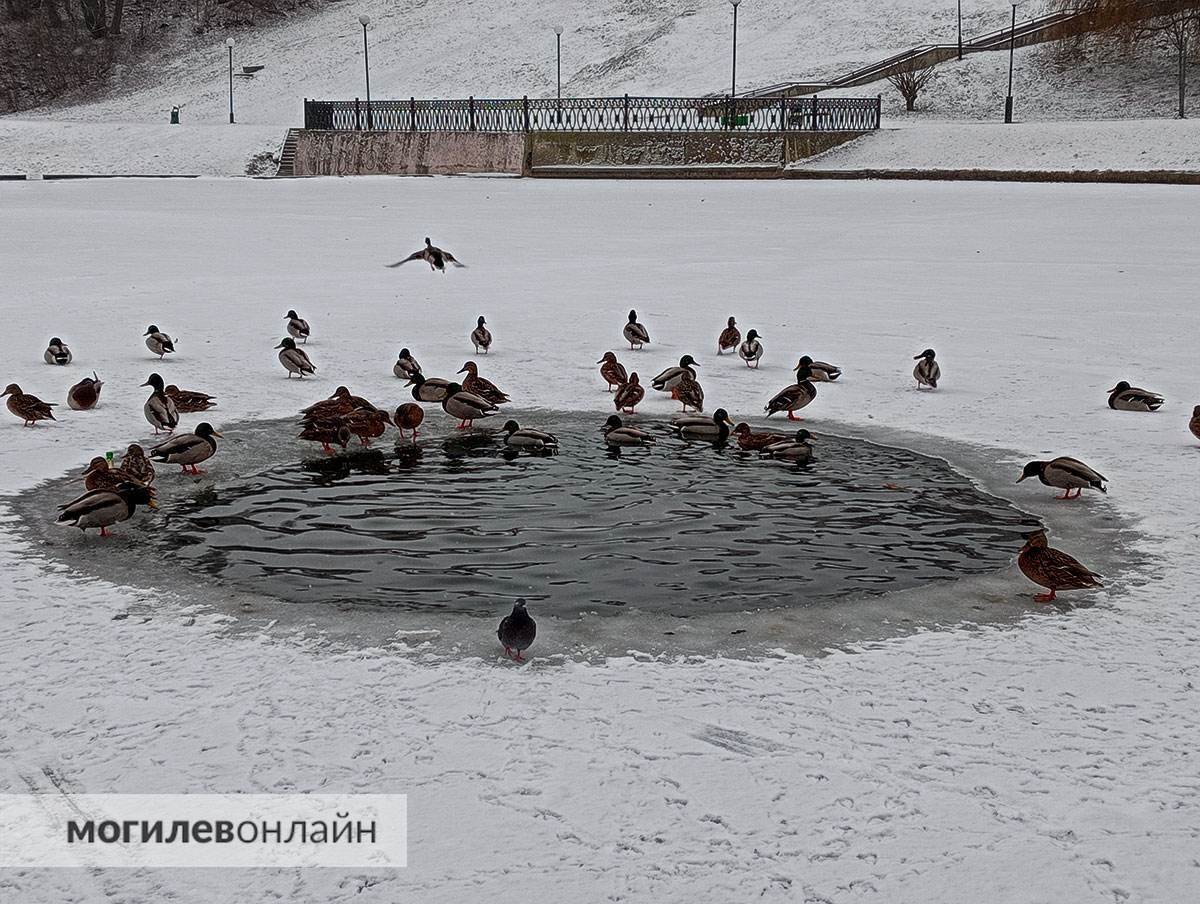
(558, 30)
(733, 78)
(1012, 49)
(229, 46)
(365, 20)
(960, 30)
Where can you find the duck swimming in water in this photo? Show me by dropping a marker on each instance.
(797, 450)
(1124, 397)
(1066, 474)
(1053, 569)
(635, 334)
(716, 429)
(750, 441)
(617, 434)
(57, 352)
(436, 257)
(729, 338)
(518, 437)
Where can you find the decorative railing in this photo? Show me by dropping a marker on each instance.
(597, 114)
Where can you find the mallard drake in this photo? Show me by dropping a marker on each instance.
(792, 398)
(1124, 397)
(136, 464)
(751, 351)
(84, 395)
(366, 424)
(630, 395)
(715, 429)
(482, 387)
(752, 442)
(102, 476)
(927, 372)
(158, 342)
(294, 360)
(795, 450)
(635, 334)
(406, 365)
(326, 432)
(28, 408)
(104, 508)
(159, 409)
(669, 378)
(428, 389)
(1051, 568)
(729, 338)
(517, 632)
(1194, 423)
(481, 336)
(297, 327)
(432, 255)
(822, 371)
(617, 434)
(689, 392)
(519, 437)
(408, 417)
(1065, 474)
(57, 352)
(612, 371)
(188, 449)
(466, 406)
(189, 401)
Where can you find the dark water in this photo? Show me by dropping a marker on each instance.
(682, 527)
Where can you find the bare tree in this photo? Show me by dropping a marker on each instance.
(910, 79)
(1175, 28)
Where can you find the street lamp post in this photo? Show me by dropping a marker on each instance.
(558, 30)
(1012, 49)
(365, 20)
(960, 30)
(229, 46)
(733, 78)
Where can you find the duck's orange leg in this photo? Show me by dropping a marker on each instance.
(1045, 597)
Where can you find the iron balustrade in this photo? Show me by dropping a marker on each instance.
(599, 114)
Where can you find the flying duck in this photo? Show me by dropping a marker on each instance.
(57, 352)
(927, 372)
(822, 371)
(519, 437)
(716, 429)
(428, 389)
(159, 409)
(617, 434)
(1124, 397)
(751, 351)
(795, 450)
(635, 334)
(84, 395)
(517, 632)
(669, 378)
(188, 449)
(408, 417)
(294, 360)
(630, 395)
(612, 371)
(157, 341)
(466, 406)
(483, 388)
(432, 255)
(188, 401)
(1051, 568)
(689, 392)
(1066, 474)
(406, 365)
(481, 336)
(101, 476)
(326, 432)
(297, 327)
(729, 338)
(104, 508)
(136, 464)
(752, 442)
(792, 398)
(28, 408)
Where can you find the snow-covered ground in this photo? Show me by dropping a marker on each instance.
(1047, 762)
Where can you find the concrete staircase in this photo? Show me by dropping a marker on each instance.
(287, 155)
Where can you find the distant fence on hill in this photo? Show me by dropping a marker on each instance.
(598, 114)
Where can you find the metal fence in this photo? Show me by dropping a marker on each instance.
(598, 114)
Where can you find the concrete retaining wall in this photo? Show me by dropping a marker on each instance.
(320, 153)
(680, 149)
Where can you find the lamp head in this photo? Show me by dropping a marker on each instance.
(364, 20)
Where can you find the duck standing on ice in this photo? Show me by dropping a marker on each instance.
(297, 327)
(295, 360)
(158, 341)
(517, 632)
(57, 352)
(730, 337)
(927, 372)
(635, 334)
(436, 257)
(481, 336)
(28, 408)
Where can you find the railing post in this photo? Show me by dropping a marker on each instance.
(471, 107)
(525, 111)
(625, 114)
(306, 125)
(816, 127)
(878, 110)
(357, 122)
(412, 114)
(783, 120)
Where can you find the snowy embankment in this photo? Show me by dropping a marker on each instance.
(1137, 145)
(1048, 762)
